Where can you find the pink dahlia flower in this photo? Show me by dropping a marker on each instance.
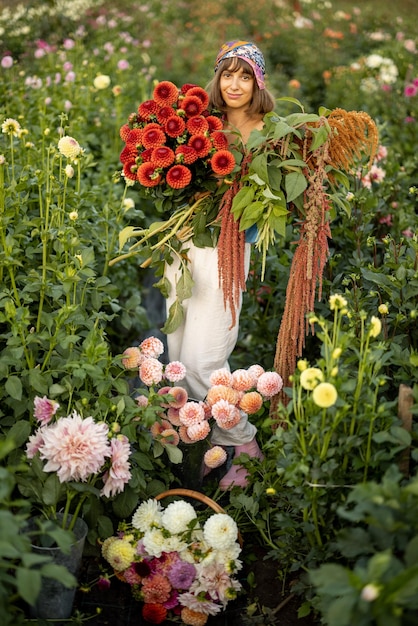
(226, 415)
(198, 432)
(151, 371)
(45, 409)
(243, 380)
(256, 370)
(119, 473)
(175, 371)
(151, 347)
(269, 384)
(156, 589)
(221, 376)
(75, 448)
(180, 397)
(191, 413)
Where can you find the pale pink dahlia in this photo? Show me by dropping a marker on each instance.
(269, 384)
(44, 409)
(221, 376)
(34, 443)
(119, 473)
(141, 400)
(198, 432)
(243, 380)
(215, 457)
(173, 416)
(152, 347)
(226, 415)
(75, 448)
(180, 397)
(184, 437)
(131, 358)
(256, 370)
(151, 371)
(170, 435)
(191, 413)
(174, 371)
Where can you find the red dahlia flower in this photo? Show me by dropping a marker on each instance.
(124, 131)
(192, 105)
(185, 88)
(164, 113)
(186, 154)
(201, 144)
(147, 109)
(178, 176)
(129, 170)
(153, 136)
(197, 125)
(200, 93)
(162, 156)
(145, 155)
(129, 153)
(154, 613)
(147, 175)
(135, 136)
(222, 162)
(219, 140)
(174, 126)
(165, 93)
(215, 123)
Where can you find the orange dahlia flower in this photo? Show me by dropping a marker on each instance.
(199, 93)
(153, 136)
(219, 140)
(124, 132)
(129, 153)
(193, 618)
(178, 176)
(197, 125)
(130, 169)
(147, 175)
(186, 154)
(222, 162)
(135, 137)
(174, 126)
(201, 144)
(222, 392)
(251, 402)
(147, 109)
(165, 93)
(163, 156)
(164, 113)
(215, 123)
(192, 105)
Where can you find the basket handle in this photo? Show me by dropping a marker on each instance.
(190, 493)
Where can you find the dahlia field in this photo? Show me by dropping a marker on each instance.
(332, 506)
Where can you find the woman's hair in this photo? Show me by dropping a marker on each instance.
(262, 101)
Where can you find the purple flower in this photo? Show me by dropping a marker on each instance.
(182, 575)
(7, 61)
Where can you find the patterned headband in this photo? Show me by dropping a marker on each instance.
(247, 51)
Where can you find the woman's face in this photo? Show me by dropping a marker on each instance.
(237, 87)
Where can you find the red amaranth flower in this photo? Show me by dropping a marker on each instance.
(215, 123)
(163, 156)
(197, 125)
(222, 162)
(147, 109)
(154, 613)
(201, 144)
(192, 105)
(174, 126)
(186, 154)
(165, 93)
(200, 93)
(147, 175)
(153, 136)
(219, 140)
(178, 176)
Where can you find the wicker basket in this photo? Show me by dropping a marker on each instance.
(196, 495)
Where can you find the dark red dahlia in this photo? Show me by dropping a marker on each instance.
(201, 94)
(215, 123)
(164, 113)
(185, 88)
(130, 169)
(178, 176)
(129, 153)
(135, 136)
(154, 613)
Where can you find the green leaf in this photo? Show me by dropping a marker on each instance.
(174, 453)
(13, 387)
(259, 167)
(251, 215)
(19, 432)
(38, 381)
(59, 572)
(320, 137)
(295, 184)
(184, 285)
(175, 317)
(243, 198)
(29, 583)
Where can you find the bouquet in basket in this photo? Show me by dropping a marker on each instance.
(178, 565)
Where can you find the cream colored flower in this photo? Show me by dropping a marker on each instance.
(102, 81)
(11, 127)
(383, 309)
(375, 326)
(69, 147)
(73, 215)
(337, 301)
(310, 377)
(324, 395)
(69, 171)
(127, 204)
(120, 554)
(302, 365)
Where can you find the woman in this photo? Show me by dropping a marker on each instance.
(208, 335)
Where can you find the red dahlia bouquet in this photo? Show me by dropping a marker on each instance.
(175, 147)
